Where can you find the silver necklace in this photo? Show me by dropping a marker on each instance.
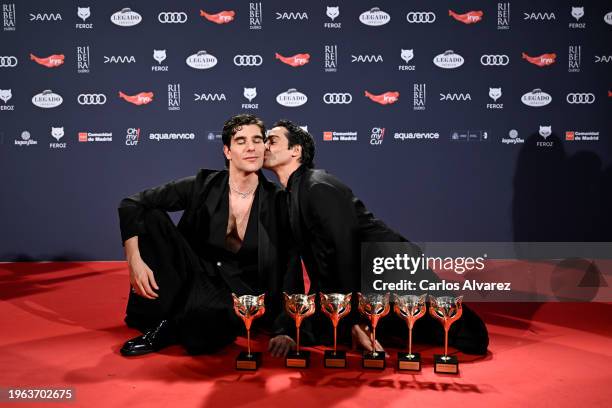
(240, 193)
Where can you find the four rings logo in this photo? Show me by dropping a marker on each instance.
(91, 99)
(420, 17)
(337, 98)
(495, 59)
(580, 98)
(172, 17)
(248, 60)
(8, 61)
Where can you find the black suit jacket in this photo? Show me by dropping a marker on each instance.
(329, 224)
(197, 196)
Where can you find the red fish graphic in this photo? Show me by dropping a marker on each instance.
(543, 60)
(609, 94)
(295, 61)
(52, 61)
(467, 18)
(141, 98)
(386, 98)
(223, 17)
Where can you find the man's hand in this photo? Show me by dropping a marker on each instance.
(142, 279)
(362, 336)
(279, 346)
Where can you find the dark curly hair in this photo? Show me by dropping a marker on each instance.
(235, 124)
(298, 136)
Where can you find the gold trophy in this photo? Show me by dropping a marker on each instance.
(409, 308)
(447, 310)
(335, 306)
(373, 306)
(299, 307)
(248, 308)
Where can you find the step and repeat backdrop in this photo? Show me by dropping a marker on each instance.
(452, 120)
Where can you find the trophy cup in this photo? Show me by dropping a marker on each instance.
(299, 307)
(373, 306)
(447, 310)
(335, 306)
(248, 308)
(410, 308)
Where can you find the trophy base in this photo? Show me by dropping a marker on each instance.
(247, 362)
(375, 362)
(297, 360)
(446, 365)
(334, 360)
(407, 362)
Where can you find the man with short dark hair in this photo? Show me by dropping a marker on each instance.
(229, 239)
(329, 223)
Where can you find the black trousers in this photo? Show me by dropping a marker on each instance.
(193, 298)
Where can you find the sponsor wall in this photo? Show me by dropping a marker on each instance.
(453, 121)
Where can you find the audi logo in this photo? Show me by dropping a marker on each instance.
(421, 17)
(337, 98)
(494, 60)
(580, 98)
(91, 99)
(248, 60)
(8, 62)
(173, 17)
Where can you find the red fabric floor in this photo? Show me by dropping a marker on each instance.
(61, 326)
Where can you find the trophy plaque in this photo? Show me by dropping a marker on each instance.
(409, 308)
(335, 306)
(299, 307)
(373, 306)
(248, 308)
(447, 310)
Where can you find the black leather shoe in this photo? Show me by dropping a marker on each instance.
(155, 339)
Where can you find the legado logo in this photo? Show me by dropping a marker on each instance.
(201, 60)
(470, 17)
(296, 60)
(91, 99)
(223, 17)
(543, 60)
(209, 97)
(608, 18)
(292, 16)
(126, 18)
(448, 60)
(421, 17)
(172, 17)
(374, 17)
(494, 60)
(337, 98)
(45, 17)
(580, 98)
(248, 60)
(366, 58)
(536, 98)
(47, 99)
(52, 61)
(8, 61)
(119, 59)
(291, 98)
(387, 98)
(141, 98)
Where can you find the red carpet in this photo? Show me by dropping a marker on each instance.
(62, 327)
